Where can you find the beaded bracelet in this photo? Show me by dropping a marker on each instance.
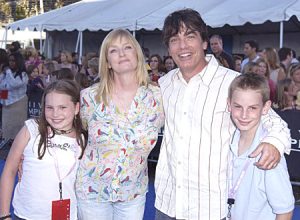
(5, 216)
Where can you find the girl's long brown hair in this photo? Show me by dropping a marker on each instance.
(70, 88)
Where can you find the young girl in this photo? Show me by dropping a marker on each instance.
(263, 70)
(48, 69)
(35, 79)
(52, 146)
(35, 90)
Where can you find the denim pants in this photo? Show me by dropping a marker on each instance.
(91, 210)
(17, 218)
(162, 216)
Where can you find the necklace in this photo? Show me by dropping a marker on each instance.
(59, 132)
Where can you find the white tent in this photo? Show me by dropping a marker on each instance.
(92, 15)
(134, 15)
(294, 9)
(96, 15)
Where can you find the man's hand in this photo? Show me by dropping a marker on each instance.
(270, 156)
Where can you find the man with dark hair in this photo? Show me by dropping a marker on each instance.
(14, 47)
(191, 173)
(285, 55)
(216, 46)
(250, 50)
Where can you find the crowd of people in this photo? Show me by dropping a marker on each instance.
(276, 66)
(85, 154)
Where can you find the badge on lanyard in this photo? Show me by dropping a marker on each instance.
(61, 209)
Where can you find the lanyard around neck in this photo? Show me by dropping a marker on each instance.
(233, 188)
(58, 172)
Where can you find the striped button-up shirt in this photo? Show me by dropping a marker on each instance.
(191, 173)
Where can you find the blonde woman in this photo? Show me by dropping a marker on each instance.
(294, 73)
(66, 62)
(123, 114)
(285, 98)
(31, 56)
(276, 72)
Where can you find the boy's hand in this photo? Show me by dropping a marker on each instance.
(270, 156)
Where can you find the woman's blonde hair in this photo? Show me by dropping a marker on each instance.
(262, 60)
(282, 88)
(272, 58)
(106, 73)
(68, 56)
(293, 68)
(30, 52)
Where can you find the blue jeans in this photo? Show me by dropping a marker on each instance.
(17, 218)
(91, 210)
(162, 216)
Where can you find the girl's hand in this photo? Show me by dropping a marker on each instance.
(20, 168)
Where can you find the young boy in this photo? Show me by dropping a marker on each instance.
(254, 194)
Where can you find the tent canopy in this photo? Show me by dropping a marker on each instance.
(94, 15)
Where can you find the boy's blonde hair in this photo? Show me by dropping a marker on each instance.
(251, 81)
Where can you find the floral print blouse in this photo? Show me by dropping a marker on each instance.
(114, 165)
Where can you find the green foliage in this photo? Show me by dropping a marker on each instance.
(59, 4)
(20, 12)
(18, 9)
(4, 9)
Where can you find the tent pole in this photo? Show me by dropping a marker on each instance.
(77, 42)
(32, 43)
(135, 28)
(80, 49)
(41, 6)
(5, 38)
(47, 46)
(281, 35)
(41, 42)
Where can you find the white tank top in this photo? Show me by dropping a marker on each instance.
(274, 75)
(39, 184)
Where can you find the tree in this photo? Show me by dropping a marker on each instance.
(5, 11)
(13, 10)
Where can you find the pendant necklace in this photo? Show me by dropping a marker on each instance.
(59, 132)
